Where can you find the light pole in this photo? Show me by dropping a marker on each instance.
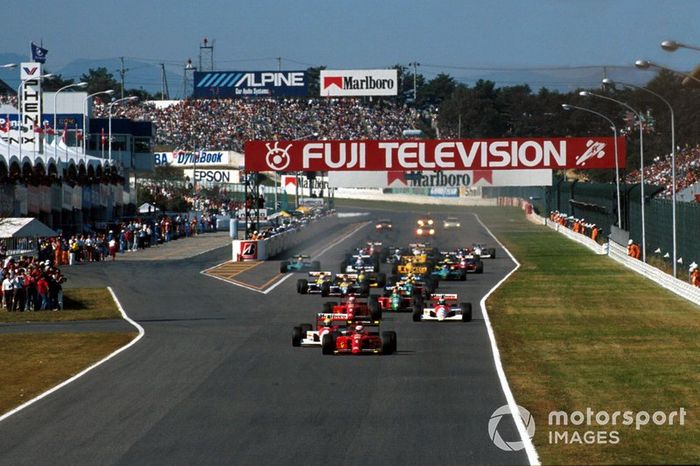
(617, 167)
(673, 160)
(19, 107)
(109, 111)
(415, 65)
(646, 64)
(55, 97)
(672, 46)
(85, 111)
(641, 160)
(9, 65)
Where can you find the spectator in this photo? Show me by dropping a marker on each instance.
(633, 250)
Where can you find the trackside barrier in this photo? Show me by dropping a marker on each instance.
(600, 249)
(263, 249)
(679, 287)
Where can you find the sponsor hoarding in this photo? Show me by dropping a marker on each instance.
(188, 159)
(289, 183)
(236, 84)
(249, 250)
(430, 179)
(30, 104)
(349, 83)
(209, 175)
(465, 154)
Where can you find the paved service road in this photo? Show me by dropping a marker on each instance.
(216, 380)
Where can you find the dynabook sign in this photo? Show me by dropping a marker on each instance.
(188, 159)
(465, 154)
(344, 83)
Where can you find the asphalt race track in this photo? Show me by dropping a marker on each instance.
(216, 380)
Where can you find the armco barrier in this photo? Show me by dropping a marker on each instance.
(270, 247)
(679, 287)
(578, 237)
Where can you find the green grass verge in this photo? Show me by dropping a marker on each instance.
(577, 330)
(78, 303)
(32, 363)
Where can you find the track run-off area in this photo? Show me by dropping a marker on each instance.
(214, 379)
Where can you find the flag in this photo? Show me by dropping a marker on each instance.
(657, 251)
(64, 137)
(38, 53)
(667, 255)
(38, 129)
(680, 260)
(48, 129)
(102, 136)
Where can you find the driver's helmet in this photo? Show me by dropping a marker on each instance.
(327, 321)
(351, 300)
(359, 328)
(361, 277)
(442, 301)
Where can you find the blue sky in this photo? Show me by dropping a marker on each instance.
(443, 35)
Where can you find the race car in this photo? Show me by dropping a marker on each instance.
(449, 271)
(426, 227)
(383, 225)
(480, 250)
(359, 339)
(444, 307)
(326, 322)
(410, 284)
(300, 263)
(359, 262)
(346, 284)
(317, 283)
(451, 222)
(400, 299)
(472, 264)
(356, 310)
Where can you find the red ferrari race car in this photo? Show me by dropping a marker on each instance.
(443, 308)
(355, 310)
(360, 339)
(305, 335)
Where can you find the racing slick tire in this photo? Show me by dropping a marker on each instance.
(391, 281)
(327, 344)
(364, 289)
(493, 253)
(394, 269)
(302, 286)
(394, 346)
(283, 267)
(387, 343)
(305, 328)
(463, 276)
(343, 267)
(328, 307)
(418, 302)
(417, 313)
(466, 312)
(375, 310)
(381, 279)
(297, 335)
(480, 268)
(316, 266)
(325, 289)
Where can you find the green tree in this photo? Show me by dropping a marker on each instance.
(99, 80)
(54, 83)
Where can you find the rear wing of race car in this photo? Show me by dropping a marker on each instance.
(445, 296)
(334, 317)
(318, 274)
(418, 245)
(345, 318)
(374, 243)
(346, 276)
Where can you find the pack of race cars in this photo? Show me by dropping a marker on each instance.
(375, 279)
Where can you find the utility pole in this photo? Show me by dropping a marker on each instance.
(279, 63)
(414, 64)
(122, 74)
(164, 92)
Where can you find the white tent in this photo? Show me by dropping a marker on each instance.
(147, 208)
(23, 227)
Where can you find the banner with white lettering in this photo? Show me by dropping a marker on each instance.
(349, 83)
(439, 179)
(301, 184)
(237, 84)
(465, 154)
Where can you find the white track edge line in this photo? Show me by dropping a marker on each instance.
(530, 450)
(142, 332)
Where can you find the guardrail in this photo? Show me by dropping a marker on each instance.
(263, 249)
(600, 249)
(679, 287)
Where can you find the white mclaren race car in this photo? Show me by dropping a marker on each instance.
(444, 307)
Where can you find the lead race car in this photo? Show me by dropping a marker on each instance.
(360, 339)
(480, 250)
(444, 308)
(300, 263)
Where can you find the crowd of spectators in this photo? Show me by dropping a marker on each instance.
(577, 225)
(659, 172)
(225, 124)
(30, 284)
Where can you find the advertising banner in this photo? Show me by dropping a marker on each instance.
(189, 159)
(213, 176)
(430, 179)
(30, 104)
(439, 155)
(289, 183)
(237, 84)
(359, 83)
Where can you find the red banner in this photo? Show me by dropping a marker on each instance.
(464, 154)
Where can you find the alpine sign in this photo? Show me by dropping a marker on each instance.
(464, 154)
(235, 84)
(344, 83)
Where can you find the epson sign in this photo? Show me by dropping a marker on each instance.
(358, 83)
(228, 84)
